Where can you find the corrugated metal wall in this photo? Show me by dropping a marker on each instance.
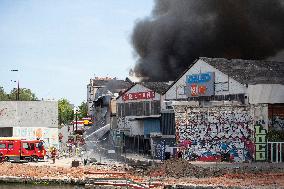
(142, 108)
(168, 123)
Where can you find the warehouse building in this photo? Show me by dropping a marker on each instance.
(101, 95)
(225, 109)
(139, 116)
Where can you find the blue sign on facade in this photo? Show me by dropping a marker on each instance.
(199, 78)
(200, 84)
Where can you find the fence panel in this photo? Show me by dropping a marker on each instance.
(275, 151)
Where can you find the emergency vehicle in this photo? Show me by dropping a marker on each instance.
(16, 149)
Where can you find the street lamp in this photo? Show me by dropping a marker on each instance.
(18, 89)
(76, 112)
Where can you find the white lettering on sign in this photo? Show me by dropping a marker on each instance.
(139, 95)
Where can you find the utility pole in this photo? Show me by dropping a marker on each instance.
(75, 112)
(18, 91)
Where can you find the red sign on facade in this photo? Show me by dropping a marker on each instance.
(139, 95)
(197, 90)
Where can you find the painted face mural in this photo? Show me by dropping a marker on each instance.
(38, 133)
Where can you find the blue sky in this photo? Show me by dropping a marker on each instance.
(58, 45)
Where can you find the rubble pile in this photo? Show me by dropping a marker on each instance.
(169, 173)
(24, 170)
(62, 174)
(257, 170)
(179, 168)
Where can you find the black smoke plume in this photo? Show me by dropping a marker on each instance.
(180, 31)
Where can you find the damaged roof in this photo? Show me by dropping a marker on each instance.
(112, 84)
(99, 82)
(249, 71)
(117, 85)
(159, 87)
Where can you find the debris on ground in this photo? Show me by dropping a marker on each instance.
(168, 173)
(179, 168)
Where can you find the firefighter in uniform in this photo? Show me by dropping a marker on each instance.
(53, 154)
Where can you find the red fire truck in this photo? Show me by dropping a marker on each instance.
(16, 149)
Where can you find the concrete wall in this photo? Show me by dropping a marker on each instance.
(29, 114)
(224, 85)
(266, 93)
(31, 119)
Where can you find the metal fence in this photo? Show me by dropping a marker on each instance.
(275, 152)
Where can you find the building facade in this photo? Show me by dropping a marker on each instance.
(30, 120)
(102, 110)
(92, 88)
(101, 95)
(139, 115)
(223, 108)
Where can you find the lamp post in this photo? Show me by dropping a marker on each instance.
(76, 119)
(76, 111)
(18, 87)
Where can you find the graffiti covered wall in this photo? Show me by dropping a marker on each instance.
(159, 146)
(276, 116)
(49, 135)
(210, 134)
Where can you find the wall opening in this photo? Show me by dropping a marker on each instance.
(6, 132)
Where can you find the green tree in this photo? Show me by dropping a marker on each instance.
(3, 94)
(83, 109)
(24, 95)
(65, 111)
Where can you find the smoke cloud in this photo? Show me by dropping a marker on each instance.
(180, 31)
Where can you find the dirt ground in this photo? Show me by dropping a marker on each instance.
(253, 175)
(171, 172)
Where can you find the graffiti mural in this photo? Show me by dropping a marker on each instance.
(48, 135)
(276, 117)
(260, 143)
(159, 146)
(215, 133)
(277, 123)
